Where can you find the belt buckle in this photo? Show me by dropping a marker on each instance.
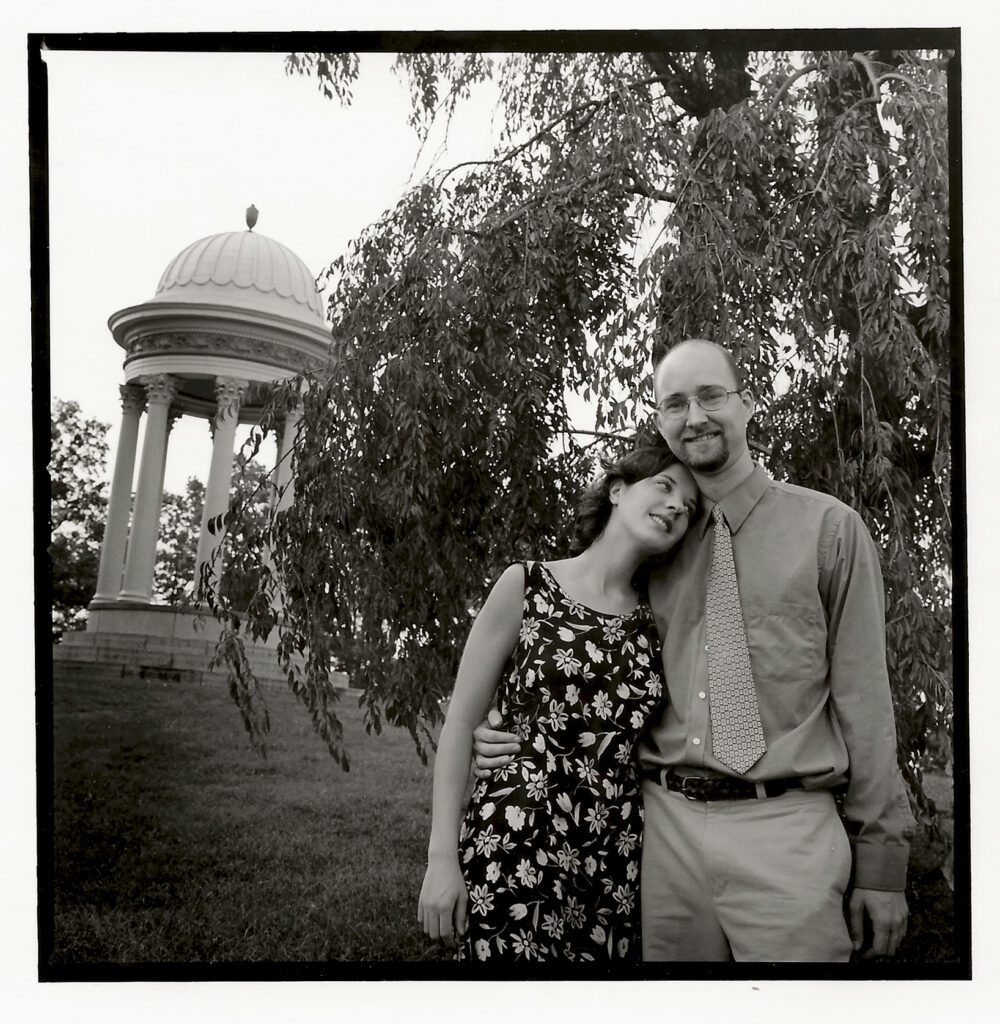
(692, 793)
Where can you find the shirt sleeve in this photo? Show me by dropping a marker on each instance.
(876, 805)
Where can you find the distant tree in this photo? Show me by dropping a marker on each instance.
(791, 205)
(251, 493)
(79, 505)
(180, 523)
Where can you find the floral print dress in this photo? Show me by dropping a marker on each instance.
(550, 843)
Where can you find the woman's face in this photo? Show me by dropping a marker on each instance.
(657, 509)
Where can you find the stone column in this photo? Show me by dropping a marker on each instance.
(228, 394)
(141, 558)
(284, 483)
(282, 488)
(173, 415)
(109, 574)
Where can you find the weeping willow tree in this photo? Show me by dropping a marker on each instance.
(793, 206)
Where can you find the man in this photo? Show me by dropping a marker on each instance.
(772, 620)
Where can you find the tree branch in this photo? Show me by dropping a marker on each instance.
(597, 179)
(648, 192)
(877, 80)
(641, 187)
(589, 105)
(902, 78)
(863, 60)
(601, 435)
(597, 434)
(784, 87)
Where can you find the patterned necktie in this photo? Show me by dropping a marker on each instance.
(737, 736)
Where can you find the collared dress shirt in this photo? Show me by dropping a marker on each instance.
(814, 610)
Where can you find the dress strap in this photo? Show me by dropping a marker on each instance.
(535, 579)
(529, 581)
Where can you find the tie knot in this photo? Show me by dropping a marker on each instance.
(717, 515)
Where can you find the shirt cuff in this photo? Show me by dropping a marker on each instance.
(880, 867)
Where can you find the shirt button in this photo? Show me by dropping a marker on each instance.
(696, 741)
(701, 693)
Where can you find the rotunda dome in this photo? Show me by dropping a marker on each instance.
(243, 268)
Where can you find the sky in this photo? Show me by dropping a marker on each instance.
(151, 151)
(144, 163)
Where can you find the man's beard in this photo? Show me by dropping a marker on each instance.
(710, 460)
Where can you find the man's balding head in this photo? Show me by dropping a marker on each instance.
(724, 354)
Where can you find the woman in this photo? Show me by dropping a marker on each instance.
(546, 863)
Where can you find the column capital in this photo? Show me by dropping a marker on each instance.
(160, 389)
(174, 413)
(229, 390)
(133, 398)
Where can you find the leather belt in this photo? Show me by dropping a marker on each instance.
(697, 787)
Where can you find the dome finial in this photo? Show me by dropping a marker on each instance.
(251, 216)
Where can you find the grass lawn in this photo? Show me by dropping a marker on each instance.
(175, 843)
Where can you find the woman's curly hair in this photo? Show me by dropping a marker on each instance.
(594, 510)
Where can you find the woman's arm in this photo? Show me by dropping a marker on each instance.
(442, 910)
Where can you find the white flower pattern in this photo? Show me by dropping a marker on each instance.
(550, 844)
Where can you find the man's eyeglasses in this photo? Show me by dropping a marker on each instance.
(710, 399)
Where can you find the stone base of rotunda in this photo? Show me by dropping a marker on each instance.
(127, 640)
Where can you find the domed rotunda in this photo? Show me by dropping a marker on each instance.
(236, 305)
(240, 268)
(233, 313)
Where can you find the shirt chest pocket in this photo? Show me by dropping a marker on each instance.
(787, 643)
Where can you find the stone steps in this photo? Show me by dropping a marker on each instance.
(70, 669)
(119, 655)
(111, 673)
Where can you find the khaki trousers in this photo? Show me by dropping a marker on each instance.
(747, 880)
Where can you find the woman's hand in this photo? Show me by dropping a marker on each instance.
(444, 900)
